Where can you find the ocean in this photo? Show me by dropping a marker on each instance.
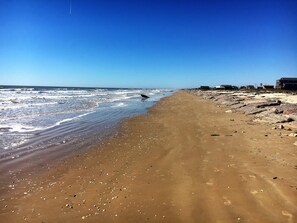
(50, 119)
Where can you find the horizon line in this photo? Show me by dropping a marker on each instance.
(52, 86)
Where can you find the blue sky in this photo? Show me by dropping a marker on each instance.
(151, 43)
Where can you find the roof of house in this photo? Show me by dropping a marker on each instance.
(288, 79)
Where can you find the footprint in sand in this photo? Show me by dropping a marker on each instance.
(227, 202)
(243, 178)
(256, 191)
(216, 170)
(252, 176)
(209, 183)
(289, 215)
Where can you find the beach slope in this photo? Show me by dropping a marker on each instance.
(188, 160)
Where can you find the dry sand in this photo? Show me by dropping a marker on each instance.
(186, 161)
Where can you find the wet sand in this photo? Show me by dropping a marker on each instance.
(186, 161)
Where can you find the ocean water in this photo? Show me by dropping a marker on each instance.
(39, 118)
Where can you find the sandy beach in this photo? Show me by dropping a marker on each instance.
(188, 160)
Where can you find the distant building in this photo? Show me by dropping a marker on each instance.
(247, 87)
(204, 87)
(226, 87)
(219, 87)
(287, 83)
(268, 87)
(250, 87)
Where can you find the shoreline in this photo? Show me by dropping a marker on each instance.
(37, 119)
(23, 162)
(187, 160)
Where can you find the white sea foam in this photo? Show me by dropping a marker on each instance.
(119, 98)
(15, 144)
(25, 112)
(121, 104)
(17, 106)
(21, 128)
(70, 119)
(15, 127)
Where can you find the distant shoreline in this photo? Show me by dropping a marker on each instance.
(70, 88)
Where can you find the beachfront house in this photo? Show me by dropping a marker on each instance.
(250, 87)
(287, 83)
(204, 87)
(226, 87)
(268, 87)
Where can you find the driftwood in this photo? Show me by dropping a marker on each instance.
(267, 104)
